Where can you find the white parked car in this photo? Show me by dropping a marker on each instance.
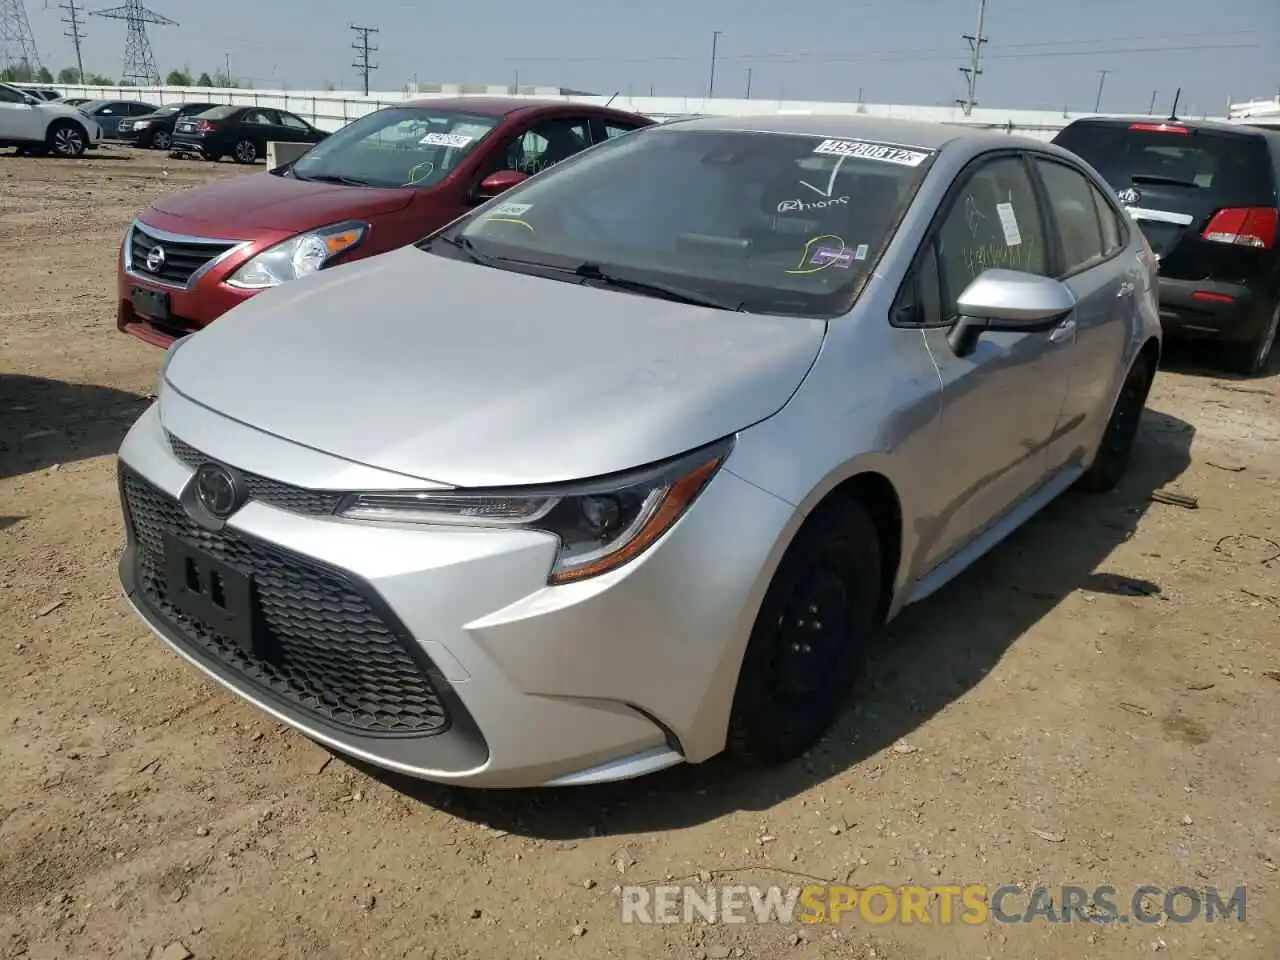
(44, 126)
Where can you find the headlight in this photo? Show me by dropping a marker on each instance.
(601, 524)
(139, 124)
(299, 256)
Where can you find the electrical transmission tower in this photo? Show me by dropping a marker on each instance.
(973, 71)
(363, 50)
(139, 61)
(72, 20)
(17, 45)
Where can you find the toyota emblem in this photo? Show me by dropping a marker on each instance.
(155, 259)
(1129, 196)
(218, 490)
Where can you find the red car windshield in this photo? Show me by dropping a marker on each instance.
(396, 147)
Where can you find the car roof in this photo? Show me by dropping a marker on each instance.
(1218, 126)
(907, 133)
(500, 106)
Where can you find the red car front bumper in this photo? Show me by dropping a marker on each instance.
(186, 288)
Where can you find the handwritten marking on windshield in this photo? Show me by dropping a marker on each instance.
(829, 257)
(831, 180)
(516, 220)
(415, 177)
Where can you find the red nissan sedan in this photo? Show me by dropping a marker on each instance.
(379, 183)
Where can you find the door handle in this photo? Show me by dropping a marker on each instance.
(1063, 332)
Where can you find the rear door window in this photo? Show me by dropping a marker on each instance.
(1076, 215)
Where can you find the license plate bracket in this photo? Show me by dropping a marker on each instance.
(150, 304)
(215, 593)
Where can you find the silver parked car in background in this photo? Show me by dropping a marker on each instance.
(629, 465)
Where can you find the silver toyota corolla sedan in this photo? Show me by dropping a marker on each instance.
(629, 466)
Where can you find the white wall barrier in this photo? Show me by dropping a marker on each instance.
(333, 109)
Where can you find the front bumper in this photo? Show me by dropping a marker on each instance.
(589, 682)
(1211, 310)
(191, 305)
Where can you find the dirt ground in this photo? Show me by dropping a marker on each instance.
(1097, 702)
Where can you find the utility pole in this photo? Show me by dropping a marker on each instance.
(516, 89)
(715, 40)
(974, 71)
(1102, 82)
(72, 20)
(1151, 110)
(363, 50)
(748, 83)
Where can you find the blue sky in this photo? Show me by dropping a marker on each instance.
(1041, 53)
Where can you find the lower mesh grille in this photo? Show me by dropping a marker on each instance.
(324, 648)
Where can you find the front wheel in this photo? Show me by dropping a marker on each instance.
(1122, 429)
(67, 139)
(161, 140)
(818, 620)
(245, 152)
(1251, 358)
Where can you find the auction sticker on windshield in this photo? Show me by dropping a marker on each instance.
(445, 140)
(867, 150)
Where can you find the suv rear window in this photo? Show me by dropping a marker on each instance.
(1225, 168)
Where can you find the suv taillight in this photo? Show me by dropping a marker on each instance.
(1244, 226)
(204, 126)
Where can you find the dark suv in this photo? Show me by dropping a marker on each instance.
(1205, 196)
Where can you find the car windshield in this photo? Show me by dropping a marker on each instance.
(763, 222)
(168, 111)
(396, 147)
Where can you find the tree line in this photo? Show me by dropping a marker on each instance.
(70, 76)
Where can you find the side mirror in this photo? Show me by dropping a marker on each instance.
(500, 182)
(1008, 300)
(29, 100)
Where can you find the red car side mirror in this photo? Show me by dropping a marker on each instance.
(500, 182)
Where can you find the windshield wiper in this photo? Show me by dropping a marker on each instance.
(332, 178)
(1157, 178)
(593, 272)
(463, 244)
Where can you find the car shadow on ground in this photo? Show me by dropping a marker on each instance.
(935, 652)
(46, 422)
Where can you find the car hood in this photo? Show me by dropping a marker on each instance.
(469, 376)
(268, 201)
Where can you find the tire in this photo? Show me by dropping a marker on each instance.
(1251, 359)
(1112, 458)
(161, 140)
(818, 619)
(67, 139)
(245, 151)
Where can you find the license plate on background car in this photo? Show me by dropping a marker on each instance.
(152, 304)
(215, 593)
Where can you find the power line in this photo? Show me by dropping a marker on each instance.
(72, 20)
(363, 50)
(939, 54)
(974, 70)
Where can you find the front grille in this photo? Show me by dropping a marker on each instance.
(181, 259)
(330, 652)
(316, 503)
